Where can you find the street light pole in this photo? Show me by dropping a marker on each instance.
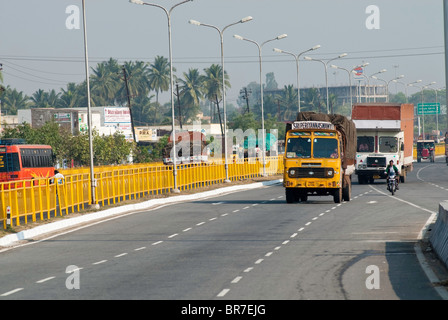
(89, 111)
(260, 46)
(296, 57)
(221, 35)
(168, 15)
(326, 73)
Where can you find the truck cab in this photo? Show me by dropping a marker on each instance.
(374, 151)
(313, 162)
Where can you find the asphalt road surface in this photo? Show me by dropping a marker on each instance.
(248, 245)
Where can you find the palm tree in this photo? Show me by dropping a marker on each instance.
(39, 99)
(191, 91)
(213, 85)
(104, 82)
(12, 100)
(159, 77)
(69, 98)
(290, 101)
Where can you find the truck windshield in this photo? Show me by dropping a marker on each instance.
(388, 144)
(298, 148)
(325, 148)
(365, 144)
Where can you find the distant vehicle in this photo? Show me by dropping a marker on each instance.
(426, 150)
(20, 161)
(384, 132)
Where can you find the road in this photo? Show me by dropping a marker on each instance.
(248, 245)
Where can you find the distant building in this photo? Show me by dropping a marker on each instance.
(106, 120)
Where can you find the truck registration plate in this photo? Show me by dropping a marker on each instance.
(376, 177)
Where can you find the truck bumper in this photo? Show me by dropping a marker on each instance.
(371, 173)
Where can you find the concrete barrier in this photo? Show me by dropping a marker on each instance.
(439, 233)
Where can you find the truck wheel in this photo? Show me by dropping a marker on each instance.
(361, 179)
(290, 195)
(347, 192)
(337, 196)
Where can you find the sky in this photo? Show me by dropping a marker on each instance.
(42, 44)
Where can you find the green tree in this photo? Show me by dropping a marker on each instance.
(12, 100)
(191, 92)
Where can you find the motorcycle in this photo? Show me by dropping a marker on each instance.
(392, 182)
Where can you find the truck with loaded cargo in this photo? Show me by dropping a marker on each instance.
(385, 131)
(319, 157)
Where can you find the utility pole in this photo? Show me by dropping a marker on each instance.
(129, 103)
(246, 94)
(178, 105)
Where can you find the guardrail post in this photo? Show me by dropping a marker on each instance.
(8, 216)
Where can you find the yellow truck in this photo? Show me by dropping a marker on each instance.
(320, 151)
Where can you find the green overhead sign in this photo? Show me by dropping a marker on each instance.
(428, 108)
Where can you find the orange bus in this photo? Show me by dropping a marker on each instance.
(20, 161)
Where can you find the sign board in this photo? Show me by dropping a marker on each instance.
(428, 108)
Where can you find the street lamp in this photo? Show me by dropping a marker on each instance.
(350, 78)
(221, 32)
(168, 15)
(373, 76)
(89, 112)
(326, 73)
(296, 57)
(259, 46)
(387, 85)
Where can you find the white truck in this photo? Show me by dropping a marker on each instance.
(384, 132)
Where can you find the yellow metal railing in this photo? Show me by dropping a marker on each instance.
(41, 199)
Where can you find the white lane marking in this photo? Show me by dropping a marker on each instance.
(200, 223)
(141, 248)
(173, 235)
(185, 230)
(44, 280)
(215, 203)
(155, 243)
(285, 242)
(99, 262)
(211, 219)
(294, 235)
(246, 207)
(315, 218)
(301, 229)
(248, 269)
(11, 292)
(277, 248)
(121, 255)
(235, 211)
(255, 204)
(259, 261)
(308, 223)
(268, 254)
(223, 293)
(224, 214)
(322, 214)
(237, 279)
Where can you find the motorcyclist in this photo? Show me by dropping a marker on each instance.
(391, 166)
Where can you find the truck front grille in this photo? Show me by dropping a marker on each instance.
(311, 172)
